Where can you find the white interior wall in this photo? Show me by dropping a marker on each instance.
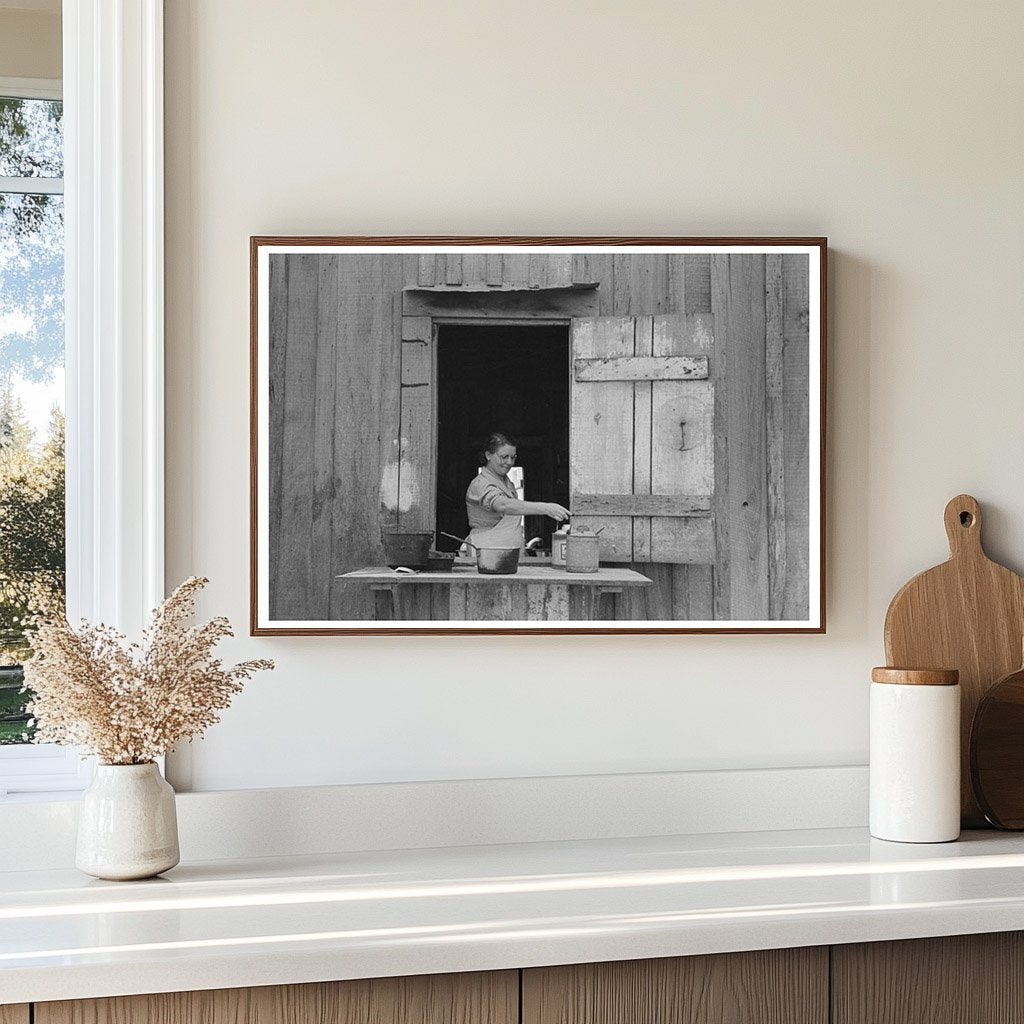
(30, 40)
(894, 129)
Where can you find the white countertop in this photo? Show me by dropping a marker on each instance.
(353, 915)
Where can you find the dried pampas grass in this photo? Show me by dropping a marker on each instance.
(130, 703)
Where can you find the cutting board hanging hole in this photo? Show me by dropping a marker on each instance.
(963, 526)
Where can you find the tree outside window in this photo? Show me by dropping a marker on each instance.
(31, 386)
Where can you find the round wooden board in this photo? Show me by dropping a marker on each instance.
(997, 752)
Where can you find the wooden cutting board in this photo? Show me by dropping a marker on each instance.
(967, 614)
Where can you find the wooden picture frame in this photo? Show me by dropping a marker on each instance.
(668, 392)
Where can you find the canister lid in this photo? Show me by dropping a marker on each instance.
(916, 676)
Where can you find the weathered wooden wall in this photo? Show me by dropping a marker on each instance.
(762, 362)
(335, 364)
(337, 405)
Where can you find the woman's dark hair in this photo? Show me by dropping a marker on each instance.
(495, 441)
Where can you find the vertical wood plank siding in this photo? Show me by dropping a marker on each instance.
(747, 506)
(292, 595)
(796, 399)
(366, 391)
(339, 413)
(721, 307)
(278, 345)
(643, 345)
(325, 375)
(774, 433)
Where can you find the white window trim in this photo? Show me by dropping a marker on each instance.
(114, 324)
(32, 88)
(43, 768)
(113, 169)
(32, 186)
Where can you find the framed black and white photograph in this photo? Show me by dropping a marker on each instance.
(537, 435)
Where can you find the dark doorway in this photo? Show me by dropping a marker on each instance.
(509, 378)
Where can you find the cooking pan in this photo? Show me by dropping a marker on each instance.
(491, 561)
(408, 549)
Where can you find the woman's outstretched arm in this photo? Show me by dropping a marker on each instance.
(515, 507)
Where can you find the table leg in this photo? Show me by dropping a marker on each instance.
(547, 602)
(601, 592)
(385, 601)
(457, 601)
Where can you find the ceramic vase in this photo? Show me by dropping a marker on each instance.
(127, 825)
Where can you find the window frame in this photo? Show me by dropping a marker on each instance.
(112, 90)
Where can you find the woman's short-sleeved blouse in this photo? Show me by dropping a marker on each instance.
(485, 488)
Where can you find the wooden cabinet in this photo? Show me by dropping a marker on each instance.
(775, 986)
(967, 979)
(960, 979)
(491, 998)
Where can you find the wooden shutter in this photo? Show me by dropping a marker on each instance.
(642, 436)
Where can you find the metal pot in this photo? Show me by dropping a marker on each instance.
(440, 561)
(497, 561)
(408, 549)
(492, 561)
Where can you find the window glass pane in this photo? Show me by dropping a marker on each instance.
(31, 138)
(31, 431)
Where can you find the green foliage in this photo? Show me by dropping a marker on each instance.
(31, 138)
(31, 544)
(14, 727)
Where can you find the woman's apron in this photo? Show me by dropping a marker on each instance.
(506, 533)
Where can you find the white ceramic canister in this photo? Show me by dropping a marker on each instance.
(915, 755)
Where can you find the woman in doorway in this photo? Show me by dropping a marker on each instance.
(492, 505)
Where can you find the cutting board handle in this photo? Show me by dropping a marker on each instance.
(963, 526)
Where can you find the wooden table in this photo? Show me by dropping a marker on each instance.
(537, 593)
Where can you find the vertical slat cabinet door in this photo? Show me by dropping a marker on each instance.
(642, 436)
(14, 1014)
(772, 986)
(956, 979)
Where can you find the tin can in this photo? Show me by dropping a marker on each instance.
(582, 550)
(558, 539)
